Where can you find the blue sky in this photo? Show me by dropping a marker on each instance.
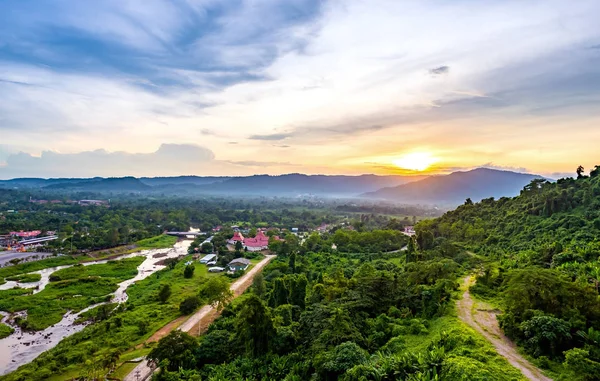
(240, 87)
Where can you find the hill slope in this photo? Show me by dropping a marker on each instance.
(456, 187)
(296, 184)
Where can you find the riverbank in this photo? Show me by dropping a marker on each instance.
(22, 347)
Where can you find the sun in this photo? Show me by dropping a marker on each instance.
(415, 161)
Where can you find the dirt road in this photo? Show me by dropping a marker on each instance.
(485, 322)
(198, 323)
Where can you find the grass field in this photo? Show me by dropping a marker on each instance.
(37, 265)
(75, 288)
(25, 278)
(5, 331)
(127, 328)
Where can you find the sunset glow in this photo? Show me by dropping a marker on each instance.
(416, 161)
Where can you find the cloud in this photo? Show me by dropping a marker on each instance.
(504, 168)
(253, 163)
(77, 76)
(440, 70)
(275, 136)
(168, 159)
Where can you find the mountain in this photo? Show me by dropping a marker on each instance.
(298, 184)
(455, 188)
(112, 184)
(182, 180)
(289, 185)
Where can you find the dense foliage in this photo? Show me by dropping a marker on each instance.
(543, 266)
(335, 315)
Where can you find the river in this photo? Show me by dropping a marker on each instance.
(23, 347)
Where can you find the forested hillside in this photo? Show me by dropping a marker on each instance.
(543, 266)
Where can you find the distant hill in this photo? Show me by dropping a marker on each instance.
(182, 180)
(299, 184)
(455, 188)
(111, 184)
(289, 185)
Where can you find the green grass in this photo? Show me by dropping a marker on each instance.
(472, 353)
(78, 288)
(49, 305)
(123, 370)
(37, 265)
(25, 278)
(120, 270)
(158, 242)
(5, 331)
(124, 330)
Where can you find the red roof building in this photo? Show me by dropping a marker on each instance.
(237, 236)
(23, 234)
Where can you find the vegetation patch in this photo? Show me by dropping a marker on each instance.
(5, 331)
(36, 265)
(118, 270)
(25, 278)
(128, 326)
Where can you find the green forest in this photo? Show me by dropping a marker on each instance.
(363, 301)
(345, 315)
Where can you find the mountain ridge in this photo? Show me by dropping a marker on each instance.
(456, 187)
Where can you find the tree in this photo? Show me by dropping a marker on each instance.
(178, 348)
(238, 247)
(258, 285)
(292, 262)
(188, 272)
(164, 293)
(206, 248)
(580, 171)
(189, 305)
(254, 327)
(216, 292)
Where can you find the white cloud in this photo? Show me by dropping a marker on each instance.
(358, 74)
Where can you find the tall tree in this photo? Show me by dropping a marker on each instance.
(254, 327)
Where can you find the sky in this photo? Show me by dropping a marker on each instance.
(234, 87)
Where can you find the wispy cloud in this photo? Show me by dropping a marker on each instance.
(125, 76)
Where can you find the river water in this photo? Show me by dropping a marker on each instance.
(23, 347)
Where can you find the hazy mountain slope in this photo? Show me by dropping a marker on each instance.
(295, 184)
(454, 188)
(112, 184)
(182, 180)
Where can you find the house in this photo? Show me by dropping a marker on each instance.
(258, 243)
(238, 264)
(208, 258)
(22, 234)
(237, 237)
(409, 230)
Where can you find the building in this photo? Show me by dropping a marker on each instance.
(409, 230)
(237, 237)
(22, 234)
(238, 264)
(92, 202)
(208, 259)
(258, 243)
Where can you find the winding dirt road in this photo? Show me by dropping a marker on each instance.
(485, 322)
(198, 323)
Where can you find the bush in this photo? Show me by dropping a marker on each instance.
(189, 305)
(189, 271)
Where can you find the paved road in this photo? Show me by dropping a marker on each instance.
(200, 320)
(486, 324)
